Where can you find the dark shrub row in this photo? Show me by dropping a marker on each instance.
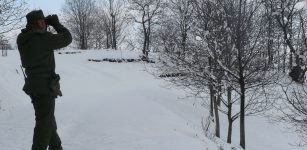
(168, 75)
(69, 53)
(119, 60)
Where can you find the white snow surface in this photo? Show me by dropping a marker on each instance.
(116, 106)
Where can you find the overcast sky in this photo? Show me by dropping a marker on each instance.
(48, 6)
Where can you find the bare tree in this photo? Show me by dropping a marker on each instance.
(179, 55)
(80, 17)
(112, 16)
(284, 14)
(237, 35)
(146, 13)
(100, 33)
(4, 45)
(11, 14)
(294, 108)
(103, 33)
(274, 39)
(224, 57)
(177, 18)
(289, 18)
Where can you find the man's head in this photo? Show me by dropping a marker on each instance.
(36, 19)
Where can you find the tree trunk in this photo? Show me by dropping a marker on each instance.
(211, 100)
(217, 118)
(108, 36)
(230, 121)
(114, 43)
(229, 114)
(284, 59)
(211, 89)
(270, 41)
(147, 46)
(4, 52)
(83, 43)
(241, 80)
(184, 40)
(219, 95)
(291, 60)
(214, 99)
(148, 38)
(144, 42)
(242, 114)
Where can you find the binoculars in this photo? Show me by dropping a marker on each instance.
(51, 19)
(47, 21)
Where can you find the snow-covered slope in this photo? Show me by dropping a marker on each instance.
(115, 106)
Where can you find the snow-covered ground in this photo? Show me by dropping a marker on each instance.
(115, 106)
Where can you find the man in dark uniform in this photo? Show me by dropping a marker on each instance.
(36, 46)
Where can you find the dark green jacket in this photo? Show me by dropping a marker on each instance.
(37, 57)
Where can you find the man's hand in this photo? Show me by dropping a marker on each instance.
(52, 20)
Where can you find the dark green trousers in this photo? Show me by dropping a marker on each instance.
(45, 131)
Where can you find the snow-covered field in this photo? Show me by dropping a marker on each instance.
(116, 106)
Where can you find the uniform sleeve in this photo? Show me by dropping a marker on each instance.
(60, 40)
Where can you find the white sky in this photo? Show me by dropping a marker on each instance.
(48, 6)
